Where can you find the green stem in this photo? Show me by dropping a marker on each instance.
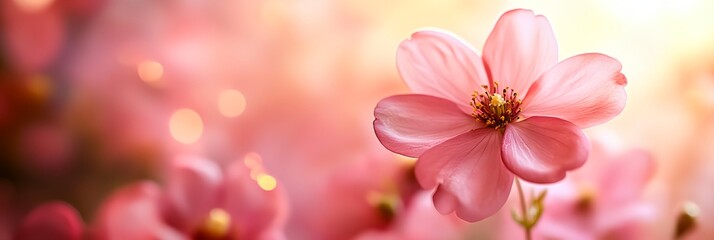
(524, 210)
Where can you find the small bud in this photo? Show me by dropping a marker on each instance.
(687, 219)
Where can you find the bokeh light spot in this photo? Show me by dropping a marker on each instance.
(267, 182)
(231, 103)
(256, 172)
(33, 5)
(252, 160)
(186, 126)
(150, 71)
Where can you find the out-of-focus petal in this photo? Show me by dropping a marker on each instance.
(256, 213)
(55, 220)
(411, 124)
(586, 89)
(520, 48)
(420, 221)
(626, 178)
(469, 173)
(32, 39)
(440, 64)
(542, 149)
(133, 212)
(193, 189)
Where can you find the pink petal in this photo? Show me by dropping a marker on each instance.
(442, 65)
(468, 173)
(520, 48)
(411, 124)
(542, 149)
(193, 187)
(256, 213)
(55, 220)
(624, 178)
(133, 212)
(586, 89)
(32, 39)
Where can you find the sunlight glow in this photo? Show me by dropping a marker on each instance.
(150, 71)
(186, 126)
(231, 103)
(33, 5)
(267, 182)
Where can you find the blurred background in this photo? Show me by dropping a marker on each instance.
(96, 94)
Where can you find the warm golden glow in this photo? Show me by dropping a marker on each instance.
(274, 12)
(231, 103)
(33, 5)
(267, 182)
(186, 126)
(150, 71)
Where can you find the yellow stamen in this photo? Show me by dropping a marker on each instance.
(217, 224)
(497, 100)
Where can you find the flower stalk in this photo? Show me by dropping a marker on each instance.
(530, 214)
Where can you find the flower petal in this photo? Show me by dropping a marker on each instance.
(55, 220)
(441, 64)
(257, 213)
(411, 124)
(542, 149)
(520, 48)
(134, 212)
(192, 189)
(468, 173)
(32, 40)
(624, 178)
(586, 89)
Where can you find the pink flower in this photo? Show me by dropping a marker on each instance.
(355, 197)
(525, 121)
(55, 220)
(199, 202)
(603, 200)
(419, 221)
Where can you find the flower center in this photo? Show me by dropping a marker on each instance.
(387, 205)
(216, 225)
(586, 199)
(495, 109)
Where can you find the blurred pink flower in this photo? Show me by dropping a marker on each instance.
(526, 120)
(603, 200)
(55, 220)
(419, 221)
(357, 196)
(199, 201)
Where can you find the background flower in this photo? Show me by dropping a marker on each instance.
(604, 199)
(199, 201)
